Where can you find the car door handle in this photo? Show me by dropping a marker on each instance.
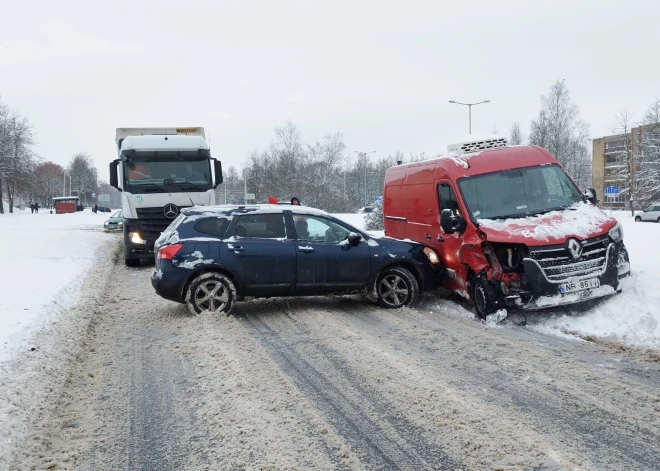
(236, 248)
(306, 249)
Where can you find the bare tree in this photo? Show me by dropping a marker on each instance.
(624, 161)
(648, 170)
(83, 175)
(16, 157)
(560, 130)
(516, 135)
(48, 182)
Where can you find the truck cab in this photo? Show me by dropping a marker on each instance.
(159, 171)
(511, 227)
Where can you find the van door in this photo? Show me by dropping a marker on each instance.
(450, 244)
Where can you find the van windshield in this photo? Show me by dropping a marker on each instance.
(518, 193)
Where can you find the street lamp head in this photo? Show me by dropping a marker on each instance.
(487, 101)
(452, 101)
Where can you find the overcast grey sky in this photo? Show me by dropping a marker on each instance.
(379, 72)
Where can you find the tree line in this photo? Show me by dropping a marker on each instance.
(27, 177)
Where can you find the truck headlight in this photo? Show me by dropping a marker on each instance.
(431, 255)
(135, 238)
(616, 233)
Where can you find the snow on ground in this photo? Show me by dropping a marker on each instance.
(633, 317)
(44, 260)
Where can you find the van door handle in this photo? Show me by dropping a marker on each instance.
(306, 249)
(236, 248)
(428, 237)
(441, 239)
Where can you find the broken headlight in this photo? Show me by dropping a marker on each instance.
(616, 233)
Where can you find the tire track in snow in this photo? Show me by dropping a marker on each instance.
(382, 438)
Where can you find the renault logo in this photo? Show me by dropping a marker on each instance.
(574, 248)
(170, 211)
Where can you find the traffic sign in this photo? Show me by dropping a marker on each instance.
(93, 195)
(249, 196)
(611, 190)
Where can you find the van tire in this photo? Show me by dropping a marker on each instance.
(212, 293)
(483, 296)
(396, 287)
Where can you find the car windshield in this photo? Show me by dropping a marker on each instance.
(167, 171)
(117, 214)
(519, 192)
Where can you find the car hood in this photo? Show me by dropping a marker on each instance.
(581, 221)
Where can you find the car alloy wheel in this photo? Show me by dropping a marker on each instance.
(211, 293)
(396, 287)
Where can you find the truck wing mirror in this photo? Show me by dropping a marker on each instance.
(590, 194)
(114, 181)
(217, 169)
(451, 222)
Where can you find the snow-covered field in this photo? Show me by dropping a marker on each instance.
(43, 262)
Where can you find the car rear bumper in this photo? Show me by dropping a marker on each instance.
(166, 289)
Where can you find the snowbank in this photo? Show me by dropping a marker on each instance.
(633, 317)
(45, 256)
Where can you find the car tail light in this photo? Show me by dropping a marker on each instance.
(169, 251)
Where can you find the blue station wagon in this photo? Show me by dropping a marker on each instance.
(212, 257)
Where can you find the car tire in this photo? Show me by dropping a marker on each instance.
(484, 297)
(396, 287)
(638, 219)
(132, 262)
(211, 292)
(658, 221)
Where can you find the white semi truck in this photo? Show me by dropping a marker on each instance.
(160, 171)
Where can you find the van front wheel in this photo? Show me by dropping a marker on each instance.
(483, 297)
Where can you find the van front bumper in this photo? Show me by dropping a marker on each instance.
(539, 290)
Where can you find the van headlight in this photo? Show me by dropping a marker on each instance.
(135, 238)
(431, 255)
(616, 233)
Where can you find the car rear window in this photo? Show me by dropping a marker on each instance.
(215, 226)
(262, 226)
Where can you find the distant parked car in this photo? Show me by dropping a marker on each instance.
(366, 210)
(209, 258)
(652, 214)
(104, 209)
(114, 223)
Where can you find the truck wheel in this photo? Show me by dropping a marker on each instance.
(132, 262)
(483, 297)
(396, 287)
(211, 292)
(638, 219)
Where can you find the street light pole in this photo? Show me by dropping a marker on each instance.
(366, 165)
(469, 105)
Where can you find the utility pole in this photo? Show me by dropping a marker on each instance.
(469, 105)
(245, 184)
(366, 167)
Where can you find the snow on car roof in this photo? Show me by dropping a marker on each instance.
(251, 208)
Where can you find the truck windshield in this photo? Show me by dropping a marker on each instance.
(519, 192)
(167, 171)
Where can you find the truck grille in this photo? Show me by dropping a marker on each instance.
(559, 265)
(153, 220)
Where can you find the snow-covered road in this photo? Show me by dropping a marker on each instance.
(331, 384)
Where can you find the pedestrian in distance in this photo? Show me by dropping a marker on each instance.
(32, 208)
(295, 201)
(36, 207)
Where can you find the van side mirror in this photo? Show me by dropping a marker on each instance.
(590, 194)
(217, 169)
(114, 181)
(451, 222)
(354, 239)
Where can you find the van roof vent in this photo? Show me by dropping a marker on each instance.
(477, 145)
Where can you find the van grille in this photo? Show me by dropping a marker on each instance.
(559, 265)
(153, 220)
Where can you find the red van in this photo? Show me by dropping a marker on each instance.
(511, 227)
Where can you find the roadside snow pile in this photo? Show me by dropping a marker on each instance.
(633, 317)
(44, 258)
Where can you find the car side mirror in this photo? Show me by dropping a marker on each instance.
(354, 239)
(451, 222)
(590, 194)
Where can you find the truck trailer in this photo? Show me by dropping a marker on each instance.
(160, 171)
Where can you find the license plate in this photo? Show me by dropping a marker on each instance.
(580, 285)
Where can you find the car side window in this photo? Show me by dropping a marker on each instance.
(214, 226)
(319, 229)
(447, 198)
(261, 226)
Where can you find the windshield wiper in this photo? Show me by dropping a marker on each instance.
(138, 185)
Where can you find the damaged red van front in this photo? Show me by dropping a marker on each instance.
(511, 227)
